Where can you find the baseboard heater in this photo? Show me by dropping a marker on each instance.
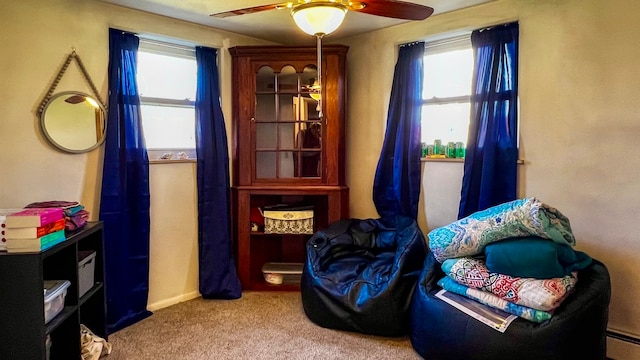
(623, 337)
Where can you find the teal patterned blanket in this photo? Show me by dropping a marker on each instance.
(518, 218)
(492, 300)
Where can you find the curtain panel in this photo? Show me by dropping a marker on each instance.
(396, 187)
(124, 205)
(217, 270)
(490, 167)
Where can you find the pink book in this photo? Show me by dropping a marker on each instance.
(33, 217)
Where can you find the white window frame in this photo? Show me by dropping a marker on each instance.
(161, 47)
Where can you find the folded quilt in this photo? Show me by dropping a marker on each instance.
(492, 300)
(539, 294)
(69, 207)
(534, 257)
(519, 218)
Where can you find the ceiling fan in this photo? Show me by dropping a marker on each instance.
(322, 17)
(387, 8)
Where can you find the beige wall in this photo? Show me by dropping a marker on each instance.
(579, 90)
(36, 37)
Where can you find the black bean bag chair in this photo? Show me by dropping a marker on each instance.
(577, 329)
(360, 275)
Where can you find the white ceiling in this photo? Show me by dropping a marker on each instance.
(274, 25)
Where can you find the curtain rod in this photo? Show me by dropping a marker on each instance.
(411, 43)
(497, 26)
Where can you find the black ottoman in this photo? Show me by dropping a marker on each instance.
(360, 275)
(577, 329)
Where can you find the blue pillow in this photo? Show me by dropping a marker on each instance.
(534, 257)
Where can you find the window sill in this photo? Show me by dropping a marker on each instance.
(455, 160)
(171, 156)
(430, 159)
(170, 161)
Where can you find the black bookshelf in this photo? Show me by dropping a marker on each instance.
(23, 331)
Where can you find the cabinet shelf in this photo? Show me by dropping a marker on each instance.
(264, 286)
(90, 293)
(290, 237)
(262, 233)
(60, 318)
(255, 248)
(22, 318)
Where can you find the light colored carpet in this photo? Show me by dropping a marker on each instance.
(260, 325)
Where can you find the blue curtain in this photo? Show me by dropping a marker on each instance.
(490, 166)
(396, 187)
(218, 277)
(124, 204)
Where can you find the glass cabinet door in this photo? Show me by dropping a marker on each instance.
(288, 129)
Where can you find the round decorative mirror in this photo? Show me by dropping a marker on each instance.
(73, 121)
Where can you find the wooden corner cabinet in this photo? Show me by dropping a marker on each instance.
(22, 309)
(285, 150)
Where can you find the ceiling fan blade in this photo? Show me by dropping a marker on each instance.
(252, 10)
(75, 99)
(395, 9)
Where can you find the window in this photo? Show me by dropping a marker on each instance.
(167, 84)
(448, 71)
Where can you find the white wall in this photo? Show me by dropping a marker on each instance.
(36, 37)
(579, 85)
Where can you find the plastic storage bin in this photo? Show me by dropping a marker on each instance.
(54, 293)
(86, 269)
(276, 273)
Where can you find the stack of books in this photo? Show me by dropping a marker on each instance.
(3, 227)
(34, 229)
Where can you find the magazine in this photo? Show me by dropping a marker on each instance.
(494, 318)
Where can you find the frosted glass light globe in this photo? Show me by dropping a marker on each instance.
(319, 18)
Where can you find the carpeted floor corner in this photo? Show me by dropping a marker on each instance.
(260, 325)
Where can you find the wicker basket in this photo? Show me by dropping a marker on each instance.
(288, 221)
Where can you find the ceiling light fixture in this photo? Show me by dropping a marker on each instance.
(315, 90)
(319, 18)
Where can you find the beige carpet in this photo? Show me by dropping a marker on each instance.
(260, 325)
